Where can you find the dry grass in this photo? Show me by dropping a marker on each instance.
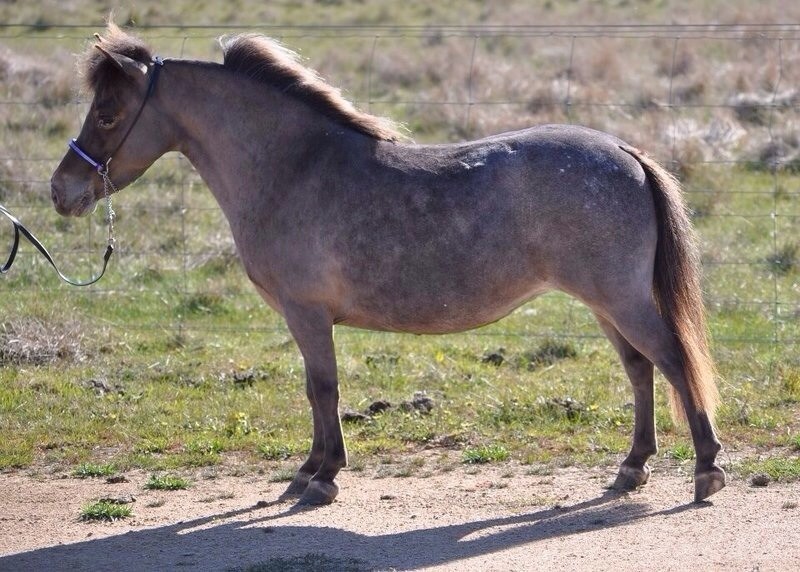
(32, 341)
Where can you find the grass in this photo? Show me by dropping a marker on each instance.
(174, 361)
(105, 510)
(782, 469)
(680, 452)
(485, 454)
(166, 483)
(87, 470)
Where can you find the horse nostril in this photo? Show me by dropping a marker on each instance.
(54, 195)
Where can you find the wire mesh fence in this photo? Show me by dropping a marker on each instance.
(716, 104)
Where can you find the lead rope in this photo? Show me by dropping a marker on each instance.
(20, 229)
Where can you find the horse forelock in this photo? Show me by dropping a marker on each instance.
(94, 67)
(264, 59)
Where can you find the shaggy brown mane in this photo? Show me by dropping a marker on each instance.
(94, 67)
(254, 56)
(264, 59)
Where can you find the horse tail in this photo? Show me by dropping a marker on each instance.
(677, 288)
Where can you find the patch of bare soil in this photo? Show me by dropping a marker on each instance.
(490, 520)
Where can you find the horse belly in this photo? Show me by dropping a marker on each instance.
(436, 303)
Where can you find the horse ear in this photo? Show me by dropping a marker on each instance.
(130, 66)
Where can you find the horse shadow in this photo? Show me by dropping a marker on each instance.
(208, 543)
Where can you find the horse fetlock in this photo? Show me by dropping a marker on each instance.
(319, 492)
(630, 478)
(299, 483)
(708, 482)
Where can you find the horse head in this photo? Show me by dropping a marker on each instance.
(121, 134)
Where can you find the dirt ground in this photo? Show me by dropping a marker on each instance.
(499, 518)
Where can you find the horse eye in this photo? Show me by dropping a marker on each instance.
(105, 121)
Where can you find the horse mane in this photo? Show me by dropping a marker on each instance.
(254, 56)
(263, 59)
(94, 67)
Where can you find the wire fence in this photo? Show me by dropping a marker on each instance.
(717, 104)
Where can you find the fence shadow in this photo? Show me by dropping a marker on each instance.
(200, 544)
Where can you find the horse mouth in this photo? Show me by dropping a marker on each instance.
(84, 206)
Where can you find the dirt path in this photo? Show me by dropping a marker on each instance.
(452, 521)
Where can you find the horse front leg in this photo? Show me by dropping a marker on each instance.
(312, 329)
(307, 470)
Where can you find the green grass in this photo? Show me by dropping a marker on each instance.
(485, 454)
(166, 483)
(173, 361)
(782, 469)
(104, 510)
(86, 470)
(681, 451)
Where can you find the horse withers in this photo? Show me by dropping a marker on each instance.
(339, 220)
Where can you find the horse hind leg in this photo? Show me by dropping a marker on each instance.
(634, 471)
(645, 330)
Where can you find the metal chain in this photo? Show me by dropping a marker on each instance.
(108, 184)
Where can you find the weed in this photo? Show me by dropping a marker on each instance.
(276, 451)
(282, 475)
(238, 424)
(549, 352)
(680, 452)
(205, 447)
(166, 483)
(151, 445)
(784, 260)
(202, 303)
(87, 470)
(105, 510)
(777, 468)
(485, 454)
(790, 383)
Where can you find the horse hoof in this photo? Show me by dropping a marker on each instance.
(630, 478)
(706, 483)
(298, 484)
(319, 492)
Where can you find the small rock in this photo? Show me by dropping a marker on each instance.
(378, 406)
(760, 480)
(388, 497)
(351, 416)
(420, 402)
(494, 358)
(101, 386)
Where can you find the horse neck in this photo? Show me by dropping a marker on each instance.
(238, 134)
